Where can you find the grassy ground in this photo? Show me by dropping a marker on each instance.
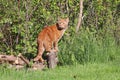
(90, 71)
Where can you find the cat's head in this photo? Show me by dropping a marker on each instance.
(63, 23)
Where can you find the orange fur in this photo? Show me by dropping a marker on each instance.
(48, 38)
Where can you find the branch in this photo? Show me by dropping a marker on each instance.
(80, 16)
(25, 60)
(34, 9)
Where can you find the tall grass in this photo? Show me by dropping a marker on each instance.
(88, 46)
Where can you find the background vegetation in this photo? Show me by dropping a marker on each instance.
(98, 39)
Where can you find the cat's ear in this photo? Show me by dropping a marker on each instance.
(67, 19)
(58, 19)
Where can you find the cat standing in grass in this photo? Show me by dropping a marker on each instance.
(48, 38)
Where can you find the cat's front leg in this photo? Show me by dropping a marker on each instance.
(56, 46)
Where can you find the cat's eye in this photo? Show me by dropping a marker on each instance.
(61, 23)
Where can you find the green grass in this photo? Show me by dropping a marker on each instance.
(89, 71)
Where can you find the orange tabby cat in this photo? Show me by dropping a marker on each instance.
(48, 38)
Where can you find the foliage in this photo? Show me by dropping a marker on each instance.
(21, 21)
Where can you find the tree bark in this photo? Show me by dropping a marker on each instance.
(80, 16)
(11, 59)
(52, 60)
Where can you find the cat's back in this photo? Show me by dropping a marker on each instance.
(47, 30)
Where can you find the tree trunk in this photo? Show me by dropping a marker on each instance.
(52, 60)
(80, 16)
